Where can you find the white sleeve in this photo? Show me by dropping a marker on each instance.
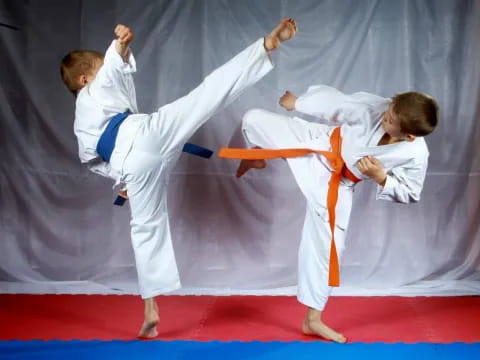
(114, 73)
(324, 102)
(115, 65)
(102, 168)
(403, 185)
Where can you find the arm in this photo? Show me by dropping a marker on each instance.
(100, 167)
(118, 58)
(401, 184)
(124, 38)
(104, 169)
(116, 74)
(118, 61)
(324, 102)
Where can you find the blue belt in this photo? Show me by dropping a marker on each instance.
(106, 143)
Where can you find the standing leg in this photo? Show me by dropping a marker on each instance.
(313, 267)
(150, 231)
(313, 325)
(146, 169)
(268, 130)
(149, 327)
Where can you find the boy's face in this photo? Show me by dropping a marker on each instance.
(391, 125)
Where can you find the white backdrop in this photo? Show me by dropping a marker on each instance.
(60, 233)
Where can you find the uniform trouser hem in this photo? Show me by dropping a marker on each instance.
(312, 304)
(153, 293)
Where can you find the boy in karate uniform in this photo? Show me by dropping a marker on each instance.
(139, 150)
(372, 138)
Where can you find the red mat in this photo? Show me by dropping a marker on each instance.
(245, 318)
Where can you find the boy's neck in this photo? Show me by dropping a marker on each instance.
(387, 140)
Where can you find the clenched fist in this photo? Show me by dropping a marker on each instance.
(124, 34)
(288, 100)
(372, 168)
(124, 38)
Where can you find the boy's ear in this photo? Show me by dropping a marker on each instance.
(410, 137)
(83, 80)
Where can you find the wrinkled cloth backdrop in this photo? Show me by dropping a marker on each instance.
(60, 233)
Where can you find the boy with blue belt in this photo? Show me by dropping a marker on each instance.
(146, 146)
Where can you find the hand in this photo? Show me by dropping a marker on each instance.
(124, 38)
(124, 34)
(288, 100)
(372, 168)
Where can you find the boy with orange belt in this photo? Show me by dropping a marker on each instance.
(372, 138)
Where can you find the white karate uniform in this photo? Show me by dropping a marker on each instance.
(359, 116)
(148, 145)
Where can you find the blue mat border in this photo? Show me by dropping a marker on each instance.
(183, 349)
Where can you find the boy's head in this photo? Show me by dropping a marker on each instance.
(78, 68)
(410, 114)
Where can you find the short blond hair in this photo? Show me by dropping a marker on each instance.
(418, 113)
(75, 64)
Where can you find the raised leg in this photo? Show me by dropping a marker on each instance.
(176, 122)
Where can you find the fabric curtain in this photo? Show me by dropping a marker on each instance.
(59, 231)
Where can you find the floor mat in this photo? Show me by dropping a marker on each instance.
(244, 318)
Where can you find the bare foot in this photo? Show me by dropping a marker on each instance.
(317, 327)
(284, 31)
(149, 327)
(246, 165)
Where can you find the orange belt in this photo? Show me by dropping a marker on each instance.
(335, 159)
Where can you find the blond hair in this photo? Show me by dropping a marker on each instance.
(75, 64)
(418, 113)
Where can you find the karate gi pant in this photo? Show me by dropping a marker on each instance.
(312, 173)
(156, 147)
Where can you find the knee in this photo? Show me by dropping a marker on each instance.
(251, 117)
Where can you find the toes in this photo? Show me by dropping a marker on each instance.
(293, 23)
(341, 339)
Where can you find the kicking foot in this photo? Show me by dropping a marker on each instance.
(284, 31)
(318, 328)
(246, 165)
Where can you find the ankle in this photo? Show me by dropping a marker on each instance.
(270, 44)
(313, 315)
